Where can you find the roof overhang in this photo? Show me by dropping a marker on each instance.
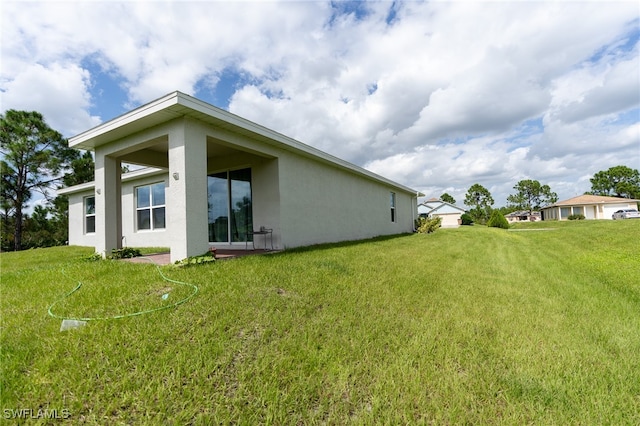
(136, 174)
(177, 104)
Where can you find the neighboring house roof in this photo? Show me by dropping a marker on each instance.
(177, 105)
(522, 213)
(589, 200)
(433, 205)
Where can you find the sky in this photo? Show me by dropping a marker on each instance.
(435, 95)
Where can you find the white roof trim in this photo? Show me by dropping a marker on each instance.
(441, 205)
(76, 188)
(178, 104)
(136, 174)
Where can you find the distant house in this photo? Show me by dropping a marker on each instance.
(212, 178)
(590, 206)
(523, 216)
(450, 214)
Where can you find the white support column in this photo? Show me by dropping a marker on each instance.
(108, 204)
(187, 192)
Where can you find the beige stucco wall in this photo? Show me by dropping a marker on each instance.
(321, 203)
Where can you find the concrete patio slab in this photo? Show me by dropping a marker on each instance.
(165, 258)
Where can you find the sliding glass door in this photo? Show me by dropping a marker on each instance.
(229, 203)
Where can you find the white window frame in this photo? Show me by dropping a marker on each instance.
(151, 207)
(88, 215)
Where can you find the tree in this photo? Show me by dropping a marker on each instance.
(82, 170)
(34, 156)
(38, 230)
(505, 210)
(478, 196)
(618, 181)
(531, 195)
(447, 198)
(480, 199)
(58, 215)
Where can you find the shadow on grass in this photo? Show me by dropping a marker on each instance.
(329, 246)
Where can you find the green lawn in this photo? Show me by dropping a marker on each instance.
(464, 326)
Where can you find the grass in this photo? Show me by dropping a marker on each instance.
(464, 326)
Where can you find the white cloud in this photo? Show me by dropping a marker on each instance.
(59, 92)
(610, 90)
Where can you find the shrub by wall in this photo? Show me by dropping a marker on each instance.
(427, 226)
(125, 253)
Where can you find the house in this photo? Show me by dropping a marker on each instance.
(590, 206)
(212, 178)
(523, 216)
(450, 214)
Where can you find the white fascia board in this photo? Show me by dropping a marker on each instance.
(129, 176)
(451, 209)
(283, 141)
(437, 205)
(84, 139)
(76, 188)
(178, 104)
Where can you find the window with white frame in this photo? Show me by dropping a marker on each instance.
(150, 207)
(393, 206)
(89, 215)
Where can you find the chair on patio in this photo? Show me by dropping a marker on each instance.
(263, 231)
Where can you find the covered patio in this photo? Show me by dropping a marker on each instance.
(219, 181)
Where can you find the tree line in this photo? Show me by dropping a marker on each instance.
(531, 195)
(37, 159)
